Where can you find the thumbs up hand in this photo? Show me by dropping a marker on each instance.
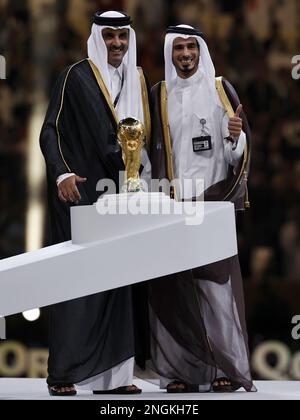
(235, 124)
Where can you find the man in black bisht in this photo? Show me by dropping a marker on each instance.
(92, 339)
(198, 331)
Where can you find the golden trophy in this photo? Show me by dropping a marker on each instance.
(131, 139)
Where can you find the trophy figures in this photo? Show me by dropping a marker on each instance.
(131, 137)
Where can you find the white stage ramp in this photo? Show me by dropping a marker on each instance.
(111, 251)
(36, 389)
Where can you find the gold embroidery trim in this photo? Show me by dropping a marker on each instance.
(224, 98)
(228, 108)
(145, 100)
(166, 132)
(103, 89)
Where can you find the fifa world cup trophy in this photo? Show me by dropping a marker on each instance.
(131, 138)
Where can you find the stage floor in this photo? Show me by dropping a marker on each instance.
(35, 389)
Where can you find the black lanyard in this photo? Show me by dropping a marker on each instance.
(119, 94)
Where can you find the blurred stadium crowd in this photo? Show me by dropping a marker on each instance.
(252, 43)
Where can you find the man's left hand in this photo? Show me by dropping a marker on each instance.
(235, 124)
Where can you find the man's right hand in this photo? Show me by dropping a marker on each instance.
(68, 191)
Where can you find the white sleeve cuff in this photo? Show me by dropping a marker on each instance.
(234, 151)
(63, 177)
(239, 146)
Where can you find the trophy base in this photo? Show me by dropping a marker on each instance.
(133, 186)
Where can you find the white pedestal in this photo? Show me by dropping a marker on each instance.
(110, 251)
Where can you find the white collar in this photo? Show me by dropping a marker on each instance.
(113, 69)
(196, 78)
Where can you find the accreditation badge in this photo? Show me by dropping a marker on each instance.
(203, 142)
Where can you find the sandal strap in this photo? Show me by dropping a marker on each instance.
(222, 379)
(177, 382)
(58, 386)
(126, 387)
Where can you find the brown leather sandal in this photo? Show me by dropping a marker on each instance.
(54, 390)
(227, 386)
(181, 387)
(129, 389)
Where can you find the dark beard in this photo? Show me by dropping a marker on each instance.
(187, 70)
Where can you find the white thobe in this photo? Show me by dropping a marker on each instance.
(119, 375)
(188, 104)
